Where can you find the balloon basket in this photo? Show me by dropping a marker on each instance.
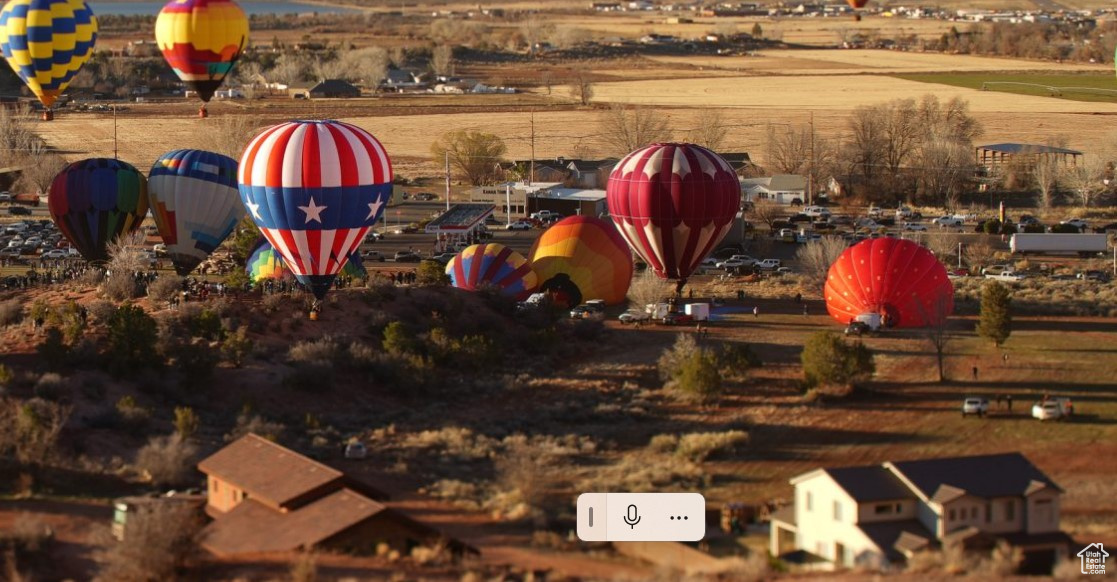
(47, 115)
(313, 316)
(203, 113)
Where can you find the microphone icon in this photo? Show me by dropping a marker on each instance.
(632, 517)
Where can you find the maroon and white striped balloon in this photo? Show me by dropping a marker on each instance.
(673, 203)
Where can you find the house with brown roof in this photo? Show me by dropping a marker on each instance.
(878, 516)
(264, 497)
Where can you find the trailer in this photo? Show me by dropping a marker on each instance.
(1084, 244)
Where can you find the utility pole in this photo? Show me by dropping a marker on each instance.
(114, 143)
(507, 204)
(531, 170)
(810, 167)
(447, 152)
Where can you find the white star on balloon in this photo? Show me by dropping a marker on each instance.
(255, 209)
(312, 211)
(373, 208)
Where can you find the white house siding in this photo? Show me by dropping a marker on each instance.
(928, 514)
(1043, 517)
(819, 533)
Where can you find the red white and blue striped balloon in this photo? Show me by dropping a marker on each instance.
(314, 188)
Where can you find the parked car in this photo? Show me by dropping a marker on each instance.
(676, 318)
(858, 328)
(545, 215)
(1094, 275)
(425, 196)
(19, 211)
(1075, 222)
(55, 254)
(978, 405)
(947, 221)
(816, 211)
(1052, 409)
(373, 256)
(407, 257)
(634, 316)
(519, 225)
(11, 252)
(444, 258)
(5, 196)
(997, 269)
(355, 450)
(768, 264)
(911, 226)
(589, 310)
(1010, 277)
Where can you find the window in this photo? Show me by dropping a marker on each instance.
(951, 514)
(1010, 510)
(215, 484)
(885, 508)
(898, 508)
(973, 513)
(810, 499)
(837, 511)
(988, 512)
(1044, 511)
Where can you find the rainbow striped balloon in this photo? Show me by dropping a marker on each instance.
(493, 265)
(201, 40)
(96, 200)
(264, 263)
(590, 252)
(46, 42)
(315, 188)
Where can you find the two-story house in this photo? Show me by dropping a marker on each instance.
(880, 515)
(264, 497)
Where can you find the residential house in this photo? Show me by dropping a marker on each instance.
(739, 161)
(403, 80)
(298, 89)
(569, 201)
(334, 88)
(878, 516)
(781, 189)
(264, 497)
(590, 174)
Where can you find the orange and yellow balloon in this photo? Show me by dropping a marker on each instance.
(590, 252)
(202, 40)
(46, 42)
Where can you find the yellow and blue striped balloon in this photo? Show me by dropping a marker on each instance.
(46, 42)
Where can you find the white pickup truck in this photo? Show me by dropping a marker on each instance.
(1052, 409)
(768, 264)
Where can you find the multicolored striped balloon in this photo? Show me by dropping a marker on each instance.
(899, 280)
(493, 265)
(96, 200)
(201, 40)
(264, 263)
(46, 42)
(315, 188)
(590, 252)
(195, 203)
(673, 203)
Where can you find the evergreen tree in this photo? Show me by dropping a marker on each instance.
(995, 323)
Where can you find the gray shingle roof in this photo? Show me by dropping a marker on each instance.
(1001, 475)
(1027, 148)
(870, 483)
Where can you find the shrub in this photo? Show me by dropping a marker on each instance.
(7, 377)
(248, 423)
(237, 346)
(167, 460)
(700, 445)
(53, 351)
(698, 378)
(195, 362)
(672, 358)
(431, 274)
(50, 386)
(161, 541)
(828, 359)
(165, 288)
(102, 311)
(274, 302)
(120, 286)
(324, 351)
(737, 358)
(237, 280)
(186, 422)
(399, 339)
(132, 336)
(134, 416)
(29, 429)
(206, 324)
(11, 312)
(40, 310)
(995, 323)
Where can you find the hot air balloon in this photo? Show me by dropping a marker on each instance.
(195, 203)
(857, 5)
(493, 265)
(201, 40)
(590, 253)
(673, 203)
(96, 200)
(46, 42)
(315, 188)
(264, 263)
(890, 282)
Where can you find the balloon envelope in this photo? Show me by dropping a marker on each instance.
(264, 263)
(855, 4)
(201, 40)
(46, 42)
(195, 203)
(96, 200)
(673, 203)
(314, 188)
(493, 265)
(899, 280)
(590, 252)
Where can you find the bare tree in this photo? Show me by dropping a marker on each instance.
(326, 68)
(625, 129)
(29, 429)
(944, 246)
(39, 170)
(766, 211)
(367, 66)
(1045, 174)
(160, 542)
(647, 288)
(785, 150)
(709, 131)
(946, 166)
(442, 59)
(816, 256)
(226, 134)
(936, 329)
(167, 460)
(474, 154)
(582, 87)
(534, 31)
(1087, 179)
(289, 68)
